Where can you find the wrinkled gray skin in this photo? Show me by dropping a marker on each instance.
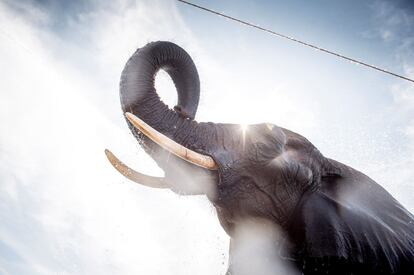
(329, 218)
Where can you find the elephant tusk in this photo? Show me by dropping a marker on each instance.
(172, 146)
(154, 182)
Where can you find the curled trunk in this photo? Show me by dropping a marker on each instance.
(166, 133)
(138, 94)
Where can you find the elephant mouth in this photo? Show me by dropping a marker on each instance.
(168, 144)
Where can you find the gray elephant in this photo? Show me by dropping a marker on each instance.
(286, 207)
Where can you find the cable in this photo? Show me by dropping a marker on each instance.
(298, 41)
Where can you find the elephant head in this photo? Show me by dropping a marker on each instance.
(265, 174)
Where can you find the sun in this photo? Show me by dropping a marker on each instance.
(244, 129)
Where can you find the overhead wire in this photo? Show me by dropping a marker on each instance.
(252, 25)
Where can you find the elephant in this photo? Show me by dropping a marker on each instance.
(286, 208)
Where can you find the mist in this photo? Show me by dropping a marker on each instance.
(65, 210)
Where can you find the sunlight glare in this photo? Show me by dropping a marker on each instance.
(244, 128)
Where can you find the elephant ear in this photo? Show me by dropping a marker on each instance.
(352, 223)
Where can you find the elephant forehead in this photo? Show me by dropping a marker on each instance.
(233, 144)
(269, 174)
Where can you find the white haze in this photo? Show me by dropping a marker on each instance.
(65, 210)
(256, 252)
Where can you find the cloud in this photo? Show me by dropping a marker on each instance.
(396, 20)
(62, 207)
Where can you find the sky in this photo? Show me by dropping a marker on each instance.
(65, 210)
